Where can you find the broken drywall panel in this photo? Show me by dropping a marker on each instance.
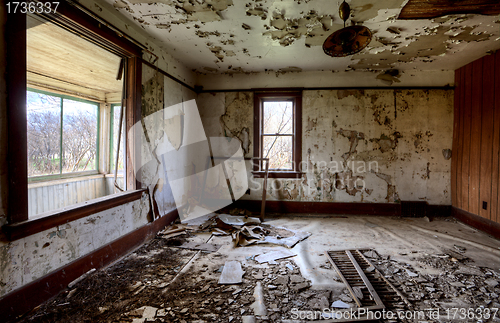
(30, 258)
(231, 273)
(361, 145)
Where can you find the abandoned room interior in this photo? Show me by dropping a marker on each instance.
(258, 161)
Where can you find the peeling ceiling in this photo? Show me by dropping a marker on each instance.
(226, 36)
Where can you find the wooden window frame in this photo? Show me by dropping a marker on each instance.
(259, 98)
(78, 20)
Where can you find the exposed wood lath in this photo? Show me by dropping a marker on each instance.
(424, 9)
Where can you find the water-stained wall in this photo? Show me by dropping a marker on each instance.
(357, 145)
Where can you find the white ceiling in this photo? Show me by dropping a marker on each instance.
(233, 36)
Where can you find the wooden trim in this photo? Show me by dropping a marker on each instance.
(329, 88)
(454, 148)
(347, 208)
(353, 208)
(52, 219)
(298, 134)
(459, 154)
(17, 166)
(132, 116)
(478, 222)
(31, 295)
(168, 75)
(296, 95)
(495, 203)
(437, 211)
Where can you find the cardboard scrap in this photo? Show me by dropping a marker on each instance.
(248, 235)
(274, 255)
(231, 273)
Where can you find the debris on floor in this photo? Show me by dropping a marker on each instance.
(231, 273)
(160, 282)
(274, 255)
(208, 247)
(247, 231)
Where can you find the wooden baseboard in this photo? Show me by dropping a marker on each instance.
(31, 295)
(438, 210)
(321, 207)
(490, 227)
(353, 208)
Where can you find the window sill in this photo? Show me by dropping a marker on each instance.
(55, 177)
(52, 219)
(277, 174)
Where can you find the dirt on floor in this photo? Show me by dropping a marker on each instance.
(150, 285)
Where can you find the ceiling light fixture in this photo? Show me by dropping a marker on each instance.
(348, 40)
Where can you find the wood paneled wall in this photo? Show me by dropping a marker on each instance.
(476, 138)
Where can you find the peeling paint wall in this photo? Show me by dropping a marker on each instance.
(357, 145)
(27, 259)
(159, 92)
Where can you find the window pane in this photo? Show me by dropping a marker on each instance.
(79, 136)
(279, 151)
(44, 125)
(116, 125)
(278, 117)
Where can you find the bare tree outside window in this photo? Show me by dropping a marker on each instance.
(78, 151)
(116, 125)
(44, 126)
(277, 135)
(79, 136)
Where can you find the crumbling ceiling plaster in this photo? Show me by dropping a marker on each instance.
(231, 36)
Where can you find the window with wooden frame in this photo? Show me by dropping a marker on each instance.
(278, 133)
(63, 135)
(79, 21)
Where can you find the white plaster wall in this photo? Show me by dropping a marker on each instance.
(398, 153)
(27, 259)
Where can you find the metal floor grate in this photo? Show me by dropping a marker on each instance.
(366, 284)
